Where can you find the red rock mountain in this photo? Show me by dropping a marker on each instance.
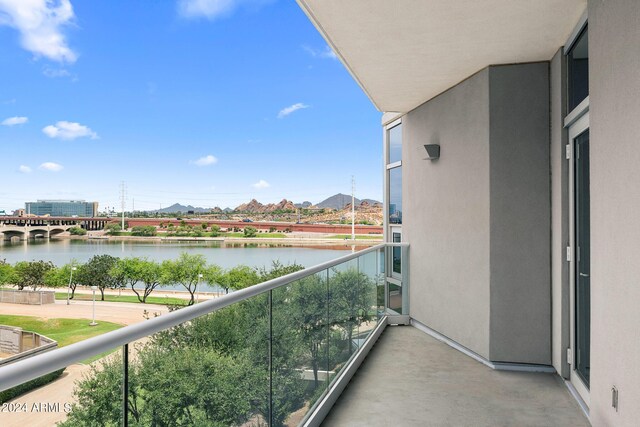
(255, 206)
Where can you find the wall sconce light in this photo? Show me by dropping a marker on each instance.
(433, 151)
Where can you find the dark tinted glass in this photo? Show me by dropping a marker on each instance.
(578, 59)
(395, 195)
(397, 254)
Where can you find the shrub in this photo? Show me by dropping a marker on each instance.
(250, 232)
(143, 230)
(77, 231)
(272, 229)
(112, 228)
(215, 230)
(21, 389)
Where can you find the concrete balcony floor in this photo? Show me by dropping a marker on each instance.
(412, 379)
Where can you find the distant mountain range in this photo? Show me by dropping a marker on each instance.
(177, 207)
(337, 202)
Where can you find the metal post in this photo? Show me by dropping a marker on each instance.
(353, 208)
(69, 287)
(93, 322)
(125, 385)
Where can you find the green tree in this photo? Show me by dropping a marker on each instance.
(211, 371)
(7, 274)
(170, 387)
(238, 277)
(151, 274)
(96, 273)
(59, 277)
(215, 230)
(31, 274)
(352, 300)
(124, 273)
(185, 271)
(308, 309)
(278, 270)
(98, 396)
(220, 390)
(250, 232)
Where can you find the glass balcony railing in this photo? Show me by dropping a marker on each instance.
(277, 354)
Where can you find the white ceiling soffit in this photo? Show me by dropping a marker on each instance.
(405, 52)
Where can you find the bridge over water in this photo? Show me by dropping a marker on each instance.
(25, 228)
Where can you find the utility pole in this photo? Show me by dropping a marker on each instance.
(122, 201)
(353, 208)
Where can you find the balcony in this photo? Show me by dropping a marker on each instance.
(282, 353)
(426, 382)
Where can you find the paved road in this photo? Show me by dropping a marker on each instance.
(117, 312)
(45, 406)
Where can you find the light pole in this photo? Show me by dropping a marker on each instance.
(69, 287)
(93, 322)
(197, 293)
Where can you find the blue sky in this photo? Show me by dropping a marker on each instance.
(202, 102)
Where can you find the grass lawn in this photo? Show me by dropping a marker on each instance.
(65, 331)
(358, 237)
(124, 298)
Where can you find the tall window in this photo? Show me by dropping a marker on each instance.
(393, 193)
(579, 189)
(394, 174)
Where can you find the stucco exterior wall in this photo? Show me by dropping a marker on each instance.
(614, 112)
(520, 213)
(478, 219)
(446, 212)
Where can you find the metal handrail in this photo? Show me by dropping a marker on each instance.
(28, 369)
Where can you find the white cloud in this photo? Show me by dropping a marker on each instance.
(40, 25)
(12, 121)
(55, 72)
(205, 161)
(209, 9)
(69, 130)
(213, 9)
(291, 109)
(51, 167)
(24, 169)
(261, 184)
(326, 53)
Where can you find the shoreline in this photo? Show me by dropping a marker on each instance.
(288, 241)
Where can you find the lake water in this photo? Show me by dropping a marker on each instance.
(226, 255)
